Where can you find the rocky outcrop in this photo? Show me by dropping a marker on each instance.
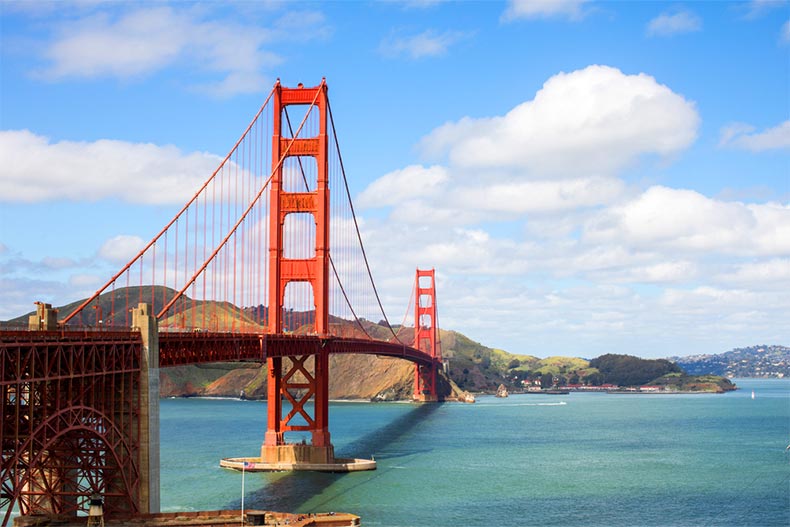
(501, 391)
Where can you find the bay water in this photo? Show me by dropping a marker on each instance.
(578, 459)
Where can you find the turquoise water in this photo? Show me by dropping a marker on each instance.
(578, 459)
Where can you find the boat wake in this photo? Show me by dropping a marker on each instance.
(560, 403)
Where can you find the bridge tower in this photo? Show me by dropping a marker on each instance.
(425, 335)
(295, 382)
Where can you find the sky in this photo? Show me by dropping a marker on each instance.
(585, 177)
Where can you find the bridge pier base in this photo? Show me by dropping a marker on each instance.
(45, 319)
(144, 319)
(425, 384)
(297, 453)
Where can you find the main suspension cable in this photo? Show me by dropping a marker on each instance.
(331, 261)
(356, 225)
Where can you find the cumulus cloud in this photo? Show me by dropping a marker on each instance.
(539, 196)
(426, 44)
(37, 169)
(83, 281)
(55, 263)
(528, 219)
(421, 4)
(663, 272)
(24, 280)
(595, 121)
(143, 41)
(559, 153)
(20, 293)
(429, 195)
(668, 24)
(685, 220)
(121, 248)
(767, 273)
(532, 9)
(758, 8)
(414, 181)
(744, 137)
(705, 297)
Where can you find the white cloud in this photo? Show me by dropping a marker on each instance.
(534, 231)
(426, 44)
(769, 273)
(785, 32)
(414, 181)
(744, 137)
(44, 8)
(593, 121)
(20, 293)
(685, 220)
(539, 196)
(141, 42)
(532, 9)
(436, 212)
(83, 281)
(667, 24)
(705, 297)
(758, 8)
(121, 248)
(430, 196)
(56, 263)
(37, 169)
(668, 271)
(421, 4)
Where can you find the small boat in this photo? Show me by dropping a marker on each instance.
(752, 394)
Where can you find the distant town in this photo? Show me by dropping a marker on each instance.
(754, 361)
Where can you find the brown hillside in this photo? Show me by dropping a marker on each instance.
(364, 377)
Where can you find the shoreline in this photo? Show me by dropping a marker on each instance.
(215, 518)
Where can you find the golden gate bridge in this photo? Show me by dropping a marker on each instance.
(243, 272)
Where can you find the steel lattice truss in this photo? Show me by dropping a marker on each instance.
(70, 421)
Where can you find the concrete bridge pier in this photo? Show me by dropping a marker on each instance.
(144, 320)
(45, 319)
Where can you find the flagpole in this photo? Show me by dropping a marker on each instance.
(243, 466)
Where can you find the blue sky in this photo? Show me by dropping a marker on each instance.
(592, 177)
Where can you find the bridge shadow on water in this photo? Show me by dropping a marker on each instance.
(288, 491)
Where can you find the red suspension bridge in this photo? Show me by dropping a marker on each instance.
(243, 272)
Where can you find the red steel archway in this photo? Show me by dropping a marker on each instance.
(70, 420)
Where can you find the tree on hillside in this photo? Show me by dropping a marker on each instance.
(546, 381)
(594, 379)
(626, 370)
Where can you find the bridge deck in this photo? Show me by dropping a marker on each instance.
(193, 347)
(176, 348)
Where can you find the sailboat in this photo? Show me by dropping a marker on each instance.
(752, 394)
